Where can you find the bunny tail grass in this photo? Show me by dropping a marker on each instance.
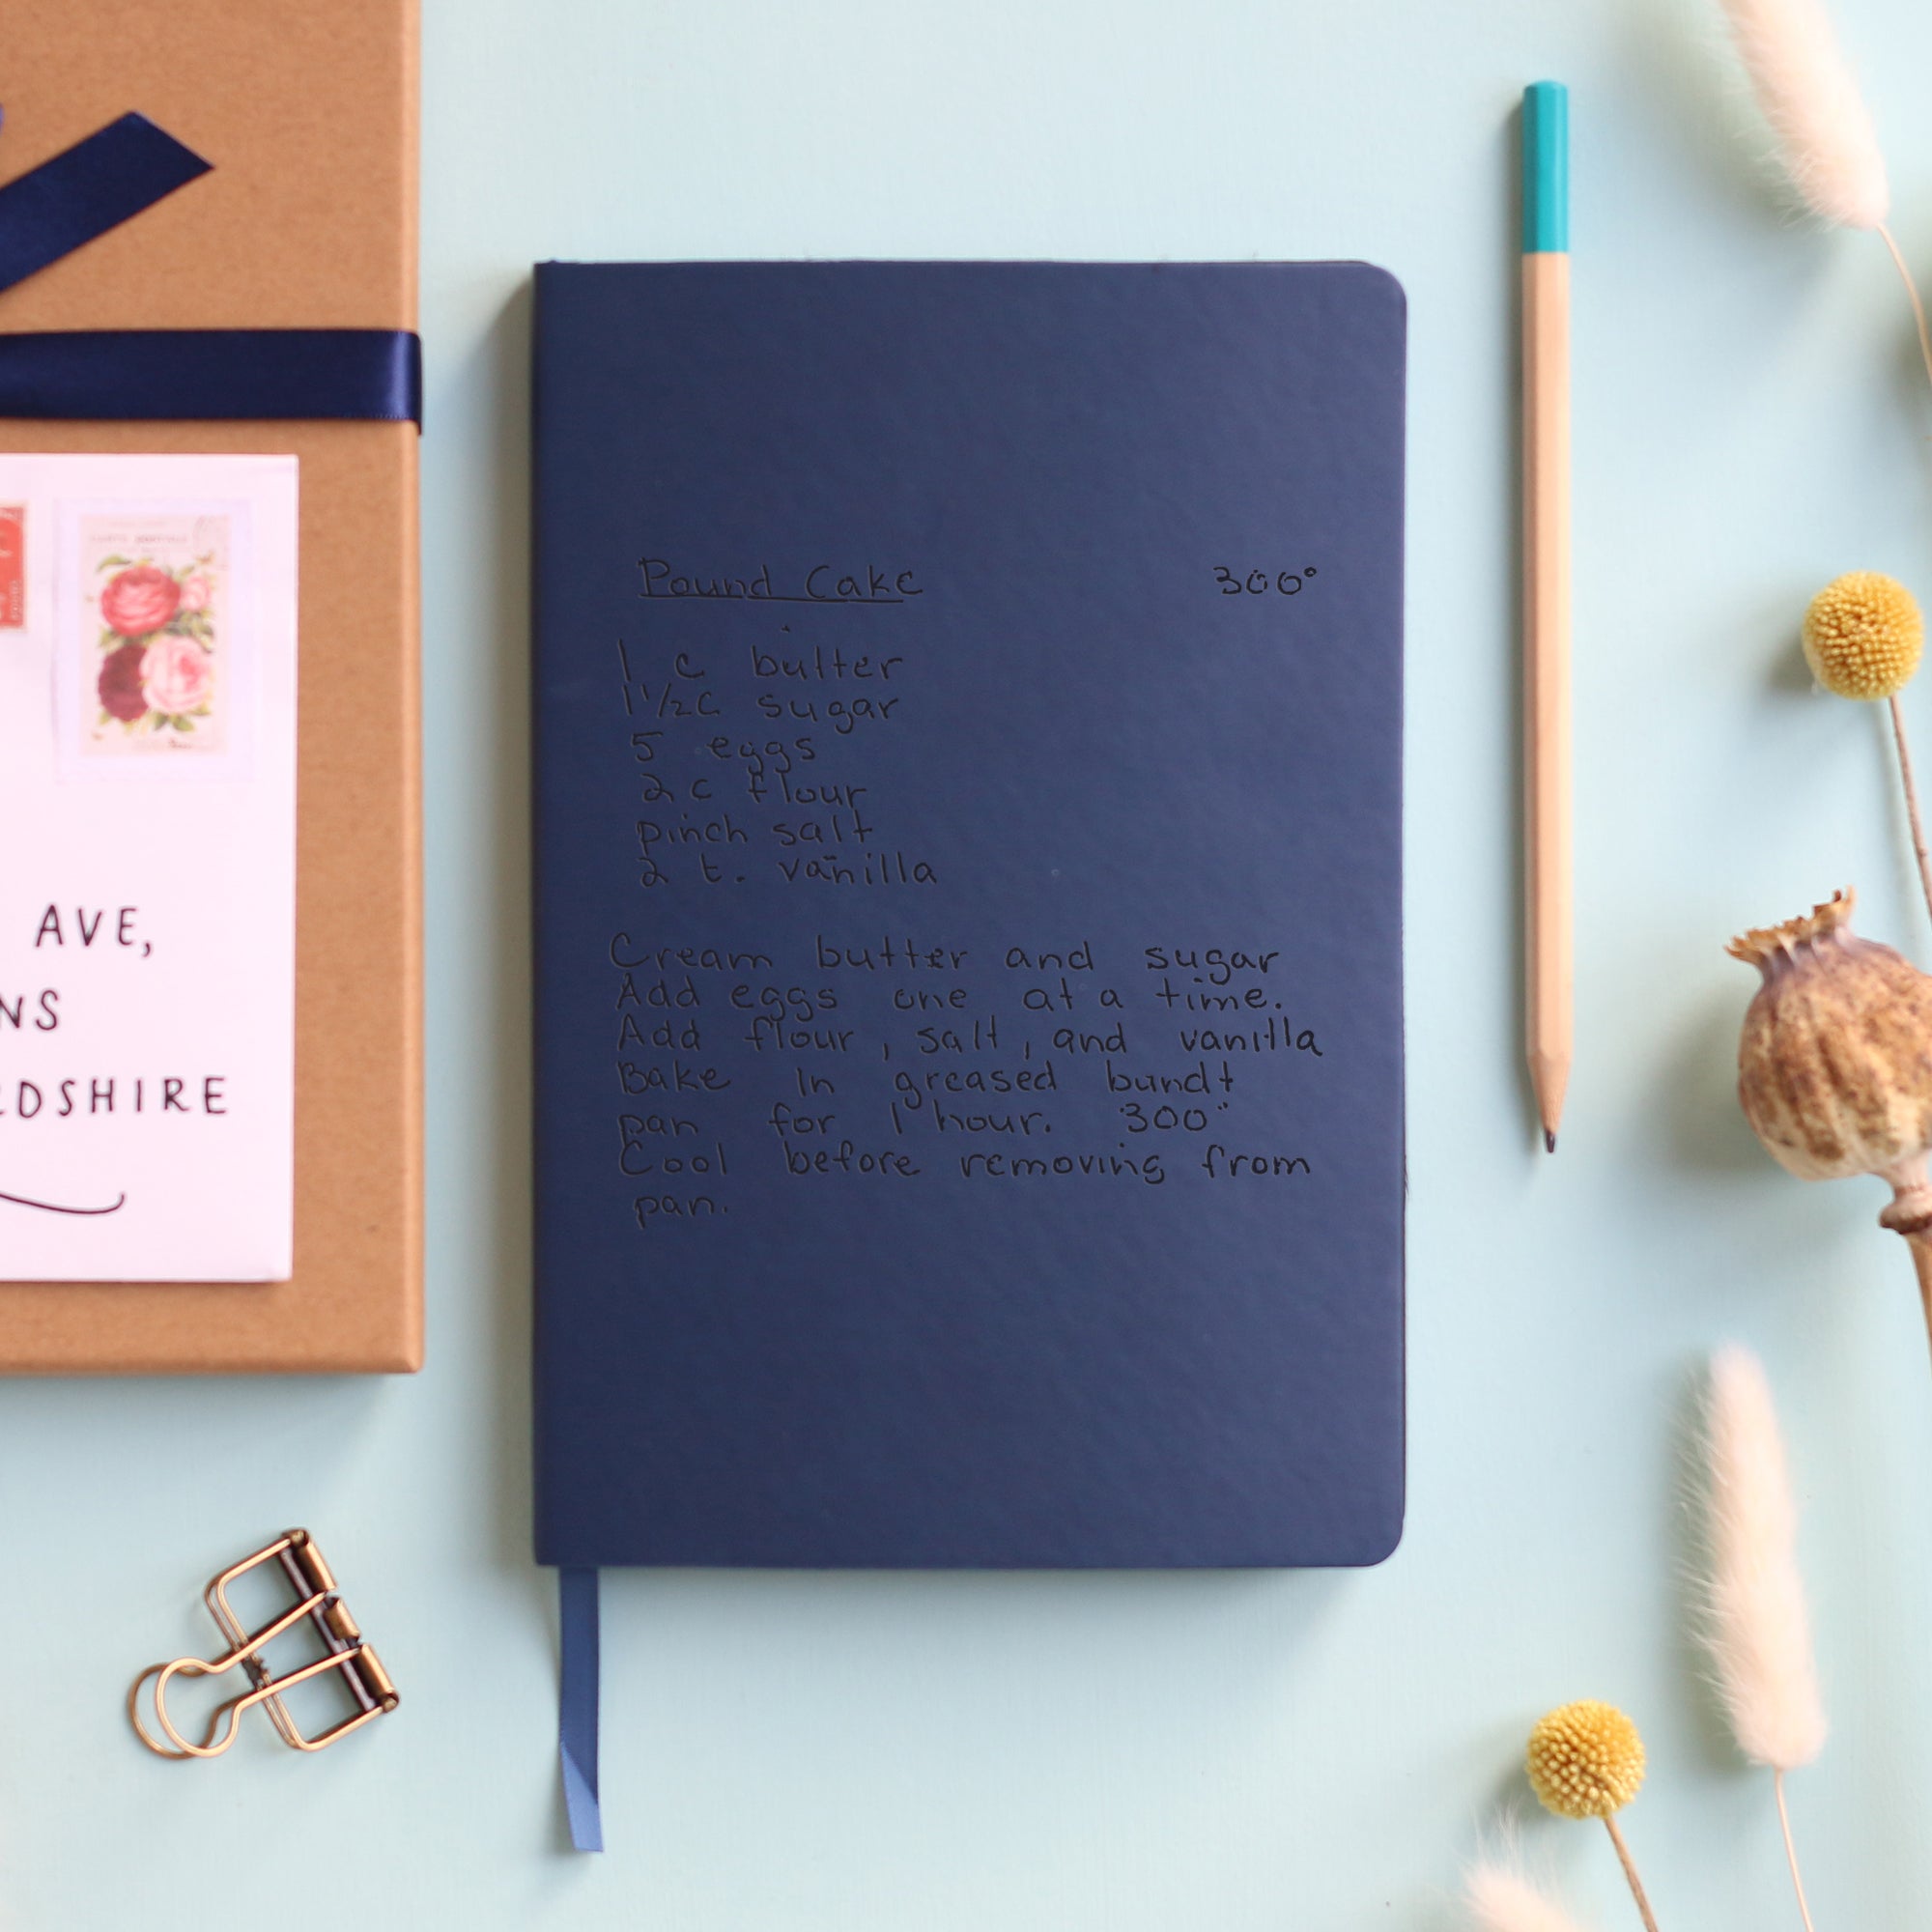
(1500, 1898)
(1825, 136)
(1756, 1626)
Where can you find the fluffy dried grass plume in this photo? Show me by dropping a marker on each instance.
(1501, 1900)
(1807, 92)
(1756, 1625)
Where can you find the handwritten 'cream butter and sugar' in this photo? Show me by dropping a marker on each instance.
(147, 902)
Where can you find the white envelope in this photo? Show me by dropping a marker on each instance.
(147, 867)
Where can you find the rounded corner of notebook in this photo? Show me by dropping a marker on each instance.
(1386, 280)
(1384, 1540)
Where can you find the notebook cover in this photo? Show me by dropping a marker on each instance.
(969, 1078)
(308, 219)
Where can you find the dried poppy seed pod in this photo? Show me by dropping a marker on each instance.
(1834, 1067)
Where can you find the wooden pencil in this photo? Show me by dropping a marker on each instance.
(1549, 899)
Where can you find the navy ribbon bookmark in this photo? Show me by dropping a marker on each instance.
(199, 375)
(577, 1706)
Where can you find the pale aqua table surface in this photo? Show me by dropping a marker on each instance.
(1235, 1753)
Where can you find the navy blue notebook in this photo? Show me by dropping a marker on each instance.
(968, 1085)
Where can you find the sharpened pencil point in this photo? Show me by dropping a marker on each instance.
(1549, 1141)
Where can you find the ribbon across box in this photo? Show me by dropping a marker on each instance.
(301, 232)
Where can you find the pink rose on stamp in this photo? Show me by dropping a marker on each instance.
(139, 600)
(196, 591)
(177, 677)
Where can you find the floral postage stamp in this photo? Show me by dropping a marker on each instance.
(13, 566)
(156, 595)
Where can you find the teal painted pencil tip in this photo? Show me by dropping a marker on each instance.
(1545, 168)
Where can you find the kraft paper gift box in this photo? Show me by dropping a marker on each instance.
(307, 219)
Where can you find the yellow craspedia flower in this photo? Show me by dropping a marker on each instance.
(1863, 635)
(1585, 1760)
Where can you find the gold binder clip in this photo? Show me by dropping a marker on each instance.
(319, 1603)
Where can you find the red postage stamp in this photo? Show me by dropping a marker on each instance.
(13, 566)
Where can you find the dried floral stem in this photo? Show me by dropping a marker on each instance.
(1897, 714)
(1911, 293)
(1909, 1212)
(1912, 800)
(1920, 1245)
(1630, 1872)
(1791, 1853)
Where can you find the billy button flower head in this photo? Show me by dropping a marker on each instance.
(1585, 1760)
(1863, 636)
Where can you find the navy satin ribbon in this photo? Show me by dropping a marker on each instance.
(173, 375)
(86, 190)
(577, 1706)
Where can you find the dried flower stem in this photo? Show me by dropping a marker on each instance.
(1912, 796)
(1630, 1872)
(1897, 714)
(1921, 1260)
(1791, 1853)
(1910, 1213)
(1912, 293)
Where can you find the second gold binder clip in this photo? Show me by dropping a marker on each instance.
(319, 1602)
